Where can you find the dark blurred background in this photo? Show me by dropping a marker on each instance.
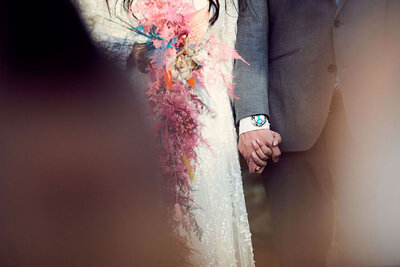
(77, 179)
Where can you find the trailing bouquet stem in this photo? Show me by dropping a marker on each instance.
(181, 50)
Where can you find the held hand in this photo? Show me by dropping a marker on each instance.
(259, 146)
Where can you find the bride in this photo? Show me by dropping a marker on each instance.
(190, 57)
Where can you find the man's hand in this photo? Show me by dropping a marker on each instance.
(258, 146)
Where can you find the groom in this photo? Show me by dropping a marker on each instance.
(314, 66)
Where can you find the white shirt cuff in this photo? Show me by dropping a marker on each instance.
(246, 125)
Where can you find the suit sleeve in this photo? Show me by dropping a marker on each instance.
(252, 44)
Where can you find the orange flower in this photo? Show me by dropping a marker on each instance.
(188, 167)
(168, 79)
(191, 82)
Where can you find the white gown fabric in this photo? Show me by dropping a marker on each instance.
(217, 186)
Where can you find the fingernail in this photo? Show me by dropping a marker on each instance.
(275, 143)
(257, 169)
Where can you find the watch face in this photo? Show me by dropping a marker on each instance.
(259, 120)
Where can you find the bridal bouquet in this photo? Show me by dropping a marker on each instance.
(179, 47)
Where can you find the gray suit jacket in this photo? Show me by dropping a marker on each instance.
(296, 49)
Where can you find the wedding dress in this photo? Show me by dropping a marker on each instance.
(224, 239)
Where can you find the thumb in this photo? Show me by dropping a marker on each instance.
(277, 139)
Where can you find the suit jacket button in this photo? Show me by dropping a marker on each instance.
(337, 23)
(332, 68)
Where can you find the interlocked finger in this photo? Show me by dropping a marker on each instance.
(277, 139)
(266, 150)
(276, 153)
(257, 159)
(259, 151)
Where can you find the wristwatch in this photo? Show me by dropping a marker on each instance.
(259, 120)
